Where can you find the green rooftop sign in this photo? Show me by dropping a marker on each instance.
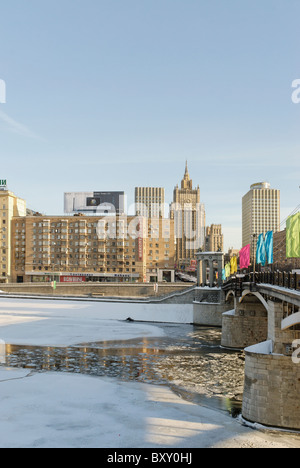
(3, 184)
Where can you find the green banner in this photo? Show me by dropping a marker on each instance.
(293, 236)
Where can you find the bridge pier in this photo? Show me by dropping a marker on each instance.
(245, 325)
(266, 323)
(272, 376)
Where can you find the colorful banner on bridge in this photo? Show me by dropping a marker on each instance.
(261, 250)
(227, 270)
(245, 257)
(293, 236)
(269, 246)
(233, 265)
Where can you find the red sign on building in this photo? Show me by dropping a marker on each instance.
(140, 241)
(72, 279)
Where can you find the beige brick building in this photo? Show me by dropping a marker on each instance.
(214, 239)
(160, 250)
(10, 206)
(91, 248)
(280, 261)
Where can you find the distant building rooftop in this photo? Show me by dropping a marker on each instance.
(260, 185)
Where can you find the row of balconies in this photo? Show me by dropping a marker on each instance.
(47, 266)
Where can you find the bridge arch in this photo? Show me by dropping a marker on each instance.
(261, 299)
(290, 321)
(230, 297)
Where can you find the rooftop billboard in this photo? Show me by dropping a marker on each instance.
(94, 202)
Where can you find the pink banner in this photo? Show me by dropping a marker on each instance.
(245, 257)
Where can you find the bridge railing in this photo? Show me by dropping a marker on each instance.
(277, 278)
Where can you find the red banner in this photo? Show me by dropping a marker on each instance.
(245, 257)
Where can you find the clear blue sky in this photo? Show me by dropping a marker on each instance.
(112, 94)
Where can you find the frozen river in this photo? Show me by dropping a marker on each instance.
(188, 359)
(76, 373)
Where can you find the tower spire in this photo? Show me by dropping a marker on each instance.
(186, 175)
(186, 182)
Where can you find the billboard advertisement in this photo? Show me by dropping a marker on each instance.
(94, 202)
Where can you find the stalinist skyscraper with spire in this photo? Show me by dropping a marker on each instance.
(189, 218)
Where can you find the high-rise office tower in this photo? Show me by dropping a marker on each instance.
(260, 213)
(150, 202)
(189, 219)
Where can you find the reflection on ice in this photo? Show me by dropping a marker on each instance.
(188, 359)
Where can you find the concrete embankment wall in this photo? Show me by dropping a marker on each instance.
(209, 314)
(209, 305)
(138, 290)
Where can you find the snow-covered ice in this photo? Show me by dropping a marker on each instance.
(50, 410)
(63, 323)
(53, 410)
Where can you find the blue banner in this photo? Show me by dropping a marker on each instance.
(261, 250)
(269, 246)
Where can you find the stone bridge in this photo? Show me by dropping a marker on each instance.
(264, 320)
(251, 300)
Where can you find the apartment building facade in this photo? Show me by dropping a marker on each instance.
(10, 206)
(91, 248)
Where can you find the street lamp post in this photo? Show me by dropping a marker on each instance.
(254, 255)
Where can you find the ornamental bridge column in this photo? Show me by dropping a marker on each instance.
(209, 301)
